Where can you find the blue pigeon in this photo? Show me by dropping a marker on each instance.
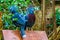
(23, 21)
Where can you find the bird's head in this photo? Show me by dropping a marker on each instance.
(13, 9)
(31, 9)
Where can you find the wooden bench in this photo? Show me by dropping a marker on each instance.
(31, 35)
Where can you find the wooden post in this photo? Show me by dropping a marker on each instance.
(54, 28)
(1, 35)
(1, 24)
(43, 15)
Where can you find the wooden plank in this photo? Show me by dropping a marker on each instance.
(1, 24)
(11, 35)
(43, 15)
(54, 16)
(0, 34)
(31, 35)
(36, 35)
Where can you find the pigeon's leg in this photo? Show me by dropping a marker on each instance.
(23, 31)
